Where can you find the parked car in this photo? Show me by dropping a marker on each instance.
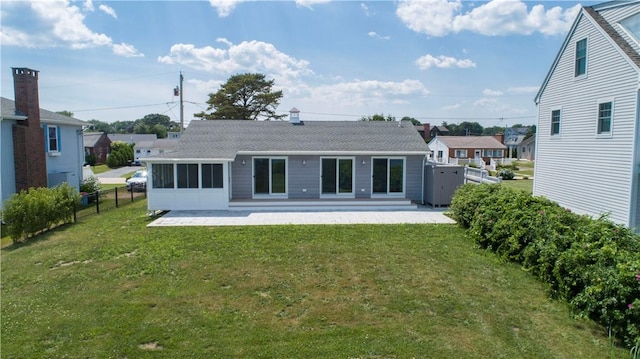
(138, 182)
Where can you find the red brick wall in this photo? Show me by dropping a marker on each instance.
(28, 137)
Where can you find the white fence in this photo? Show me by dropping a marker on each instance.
(479, 175)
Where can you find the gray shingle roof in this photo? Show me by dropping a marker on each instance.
(224, 139)
(614, 35)
(91, 138)
(131, 137)
(9, 110)
(482, 142)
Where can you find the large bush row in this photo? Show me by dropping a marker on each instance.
(591, 263)
(30, 212)
(121, 154)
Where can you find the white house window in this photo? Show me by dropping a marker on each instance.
(493, 153)
(53, 139)
(212, 175)
(162, 174)
(605, 117)
(581, 57)
(555, 122)
(188, 175)
(461, 153)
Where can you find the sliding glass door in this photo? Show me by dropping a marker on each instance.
(387, 176)
(270, 176)
(337, 176)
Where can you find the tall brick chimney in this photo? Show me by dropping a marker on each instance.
(28, 136)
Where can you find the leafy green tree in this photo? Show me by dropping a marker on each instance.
(493, 130)
(378, 117)
(247, 96)
(121, 154)
(413, 120)
(66, 113)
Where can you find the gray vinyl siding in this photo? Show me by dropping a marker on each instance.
(414, 172)
(363, 177)
(241, 178)
(304, 179)
(579, 170)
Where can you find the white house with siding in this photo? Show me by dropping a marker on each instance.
(588, 143)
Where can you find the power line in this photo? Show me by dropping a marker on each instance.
(123, 107)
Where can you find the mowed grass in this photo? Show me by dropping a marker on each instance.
(111, 287)
(521, 184)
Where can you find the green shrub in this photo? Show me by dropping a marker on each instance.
(90, 184)
(91, 159)
(30, 212)
(593, 264)
(121, 154)
(506, 174)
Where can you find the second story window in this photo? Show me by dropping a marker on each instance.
(581, 58)
(555, 122)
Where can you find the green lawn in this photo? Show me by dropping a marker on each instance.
(100, 169)
(110, 287)
(525, 185)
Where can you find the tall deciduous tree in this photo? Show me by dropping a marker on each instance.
(246, 96)
(378, 117)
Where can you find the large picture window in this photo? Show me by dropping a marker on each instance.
(187, 175)
(162, 174)
(212, 175)
(461, 154)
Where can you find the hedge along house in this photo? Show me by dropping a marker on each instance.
(238, 164)
(588, 133)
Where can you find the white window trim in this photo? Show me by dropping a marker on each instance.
(555, 135)
(586, 65)
(270, 194)
(465, 153)
(353, 179)
(613, 106)
(57, 128)
(404, 178)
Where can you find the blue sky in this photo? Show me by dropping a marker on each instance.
(436, 60)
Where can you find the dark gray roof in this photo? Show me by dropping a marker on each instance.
(482, 142)
(9, 111)
(224, 139)
(91, 138)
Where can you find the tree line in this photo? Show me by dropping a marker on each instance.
(155, 123)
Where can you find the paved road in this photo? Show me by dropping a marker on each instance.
(115, 176)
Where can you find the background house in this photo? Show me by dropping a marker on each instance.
(527, 148)
(38, 148)
(96, 144)
(144, 149)
(513, 137)
(131, 138)
(479, 149)
(588, 147)
(427, 132)
(229, 164)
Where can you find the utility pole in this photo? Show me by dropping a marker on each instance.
(181, 105)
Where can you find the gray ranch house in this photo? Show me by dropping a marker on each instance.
(588, 134)
(237, 164)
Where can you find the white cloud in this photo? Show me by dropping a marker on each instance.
(494, 18)
(523, 89)
(365, 9)
(309, 3)
(108, 10)
(88, 6)
(64, 24)
(248, 56)
(452, 107)
(369, 93)
(485, 102)
(489, 92)
(126, 50)
(224, 7)
(376, 36)
(442, 61)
